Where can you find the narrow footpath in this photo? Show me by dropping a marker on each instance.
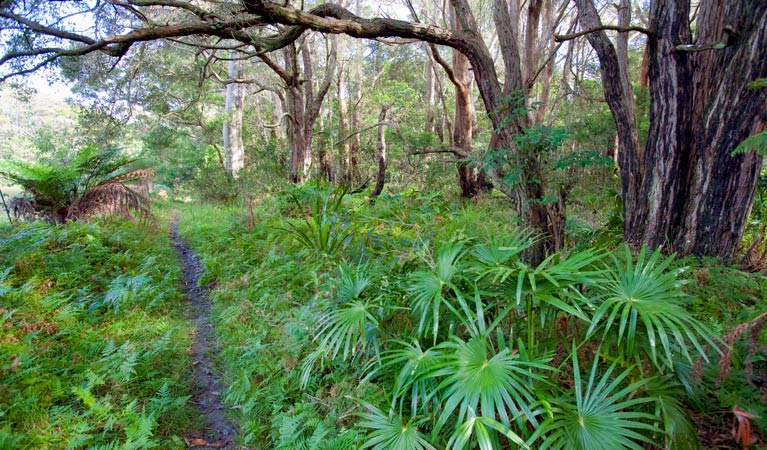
(218, 432)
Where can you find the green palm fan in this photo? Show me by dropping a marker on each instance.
(642, 312)
(392, 431)
(599, 414)
(431, 289)
(495, 384)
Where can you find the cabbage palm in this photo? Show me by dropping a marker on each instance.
(392, 431)
(642, 310)
(321, 228)
(432, 289)
(410, 363)
(600, 414)
(349, 324)
(476, 378)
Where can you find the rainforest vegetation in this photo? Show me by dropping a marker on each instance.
(410, 225)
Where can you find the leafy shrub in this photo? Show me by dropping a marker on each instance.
(321, 228)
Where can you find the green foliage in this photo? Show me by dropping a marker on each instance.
(756, 143)
(603, 415)
(426, 333)
(644, 301)
(392, 432)
(322, 228)
(174, 154)
(93, 339)
(432, 288)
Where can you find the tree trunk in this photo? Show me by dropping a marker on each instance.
(429, 97)
(300, 155)
(302, 103)
(381, 153)
(468, 178)
(234, 149)
(697, 196)
(686, 191)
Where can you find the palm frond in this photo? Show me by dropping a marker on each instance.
(599, 414)
(429, 288)
(412, 364)
(392, 431)
(642, 310)
(475, 377)
(485, 432)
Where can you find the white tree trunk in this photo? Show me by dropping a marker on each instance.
(235, 103)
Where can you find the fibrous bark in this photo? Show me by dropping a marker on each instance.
(686, 190)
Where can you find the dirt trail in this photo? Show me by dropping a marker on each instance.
(219, 432)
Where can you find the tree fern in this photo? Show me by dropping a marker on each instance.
(93, 183)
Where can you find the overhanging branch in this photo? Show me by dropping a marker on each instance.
(567, 37)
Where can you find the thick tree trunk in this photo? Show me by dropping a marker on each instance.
(689, 193)
(300, 153)
(693, 136)
(620, 98)
(302, 103)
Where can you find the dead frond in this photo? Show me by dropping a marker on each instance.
(112, 198)
(755, 258)
(742, 430)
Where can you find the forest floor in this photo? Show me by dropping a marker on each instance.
(219, 432)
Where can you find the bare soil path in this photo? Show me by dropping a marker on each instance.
(219, 432)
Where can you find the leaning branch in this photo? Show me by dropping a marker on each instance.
(119, 45)
(567, 37)
(332, 18)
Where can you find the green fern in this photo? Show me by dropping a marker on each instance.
(756, 143)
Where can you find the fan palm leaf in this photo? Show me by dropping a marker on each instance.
(392, 432)
(411, 363)
(642, 310)
(430, 289)
(601, 414)
(475, 377)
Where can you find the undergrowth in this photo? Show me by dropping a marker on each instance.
(93, 338)
(322, 343)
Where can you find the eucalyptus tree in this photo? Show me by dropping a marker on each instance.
(301, 100)
(233, 109)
